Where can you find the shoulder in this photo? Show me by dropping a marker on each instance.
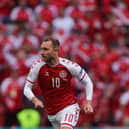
(67, 62)
(72, 66)
(38, 63)
(35, 68)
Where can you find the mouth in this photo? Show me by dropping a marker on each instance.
(44, 56)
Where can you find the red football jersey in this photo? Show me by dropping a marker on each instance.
(55, 83)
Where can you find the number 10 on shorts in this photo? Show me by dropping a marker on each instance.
(68, 117)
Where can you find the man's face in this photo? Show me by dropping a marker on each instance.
(47, 51)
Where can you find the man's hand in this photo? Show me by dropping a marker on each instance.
(88, 107)
(37, 103)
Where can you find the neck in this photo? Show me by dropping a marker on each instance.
(53, 62)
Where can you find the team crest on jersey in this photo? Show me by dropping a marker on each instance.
(63, 74)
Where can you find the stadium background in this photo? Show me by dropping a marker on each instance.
(94, 33)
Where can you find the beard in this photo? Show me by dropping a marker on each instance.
(48, 59)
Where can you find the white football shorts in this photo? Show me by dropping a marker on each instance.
(66, 117)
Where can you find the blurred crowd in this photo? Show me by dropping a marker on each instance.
(93, 33)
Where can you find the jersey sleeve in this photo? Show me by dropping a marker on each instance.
(74, 68)
(77, 71)
(80, 73)
(31, 78)
(32, 75)
(34, 71)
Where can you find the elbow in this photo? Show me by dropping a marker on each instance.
(27, 91)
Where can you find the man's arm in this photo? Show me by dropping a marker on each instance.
(30, 95)
(38, 103)
(31, 78)
(89, 93)
(81, 74)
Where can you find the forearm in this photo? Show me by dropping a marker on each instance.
(28, 91)
(89, 94)
(38, 103)
(88, 88)
(34, 99)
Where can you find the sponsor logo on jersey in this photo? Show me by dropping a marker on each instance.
(63, 74)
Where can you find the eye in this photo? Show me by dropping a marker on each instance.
(45, 49)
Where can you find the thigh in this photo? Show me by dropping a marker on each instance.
(70, 116)
(55, 123)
